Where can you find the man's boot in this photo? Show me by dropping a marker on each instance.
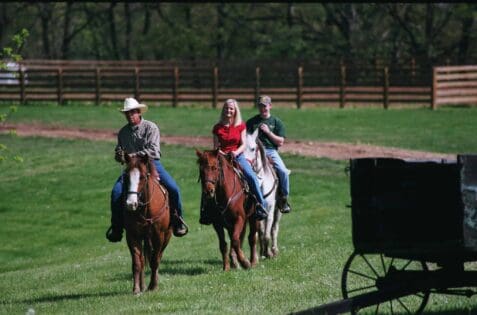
(283, 205)
(205, 217)
(115, 231)
(260, 212)
(179, 228)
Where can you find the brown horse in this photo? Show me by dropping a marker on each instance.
(226, 198)
(147, 220)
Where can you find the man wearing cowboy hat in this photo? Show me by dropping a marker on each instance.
(142, 137)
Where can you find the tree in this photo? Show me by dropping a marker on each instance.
(11, 54)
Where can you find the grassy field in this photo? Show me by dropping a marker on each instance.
(446, 130)
(55, 209)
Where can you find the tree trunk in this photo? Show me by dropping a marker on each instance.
(65, 47)
(112, 31)
(127, 16)
(219, 44)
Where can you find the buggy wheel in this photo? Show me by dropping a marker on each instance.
(361, 273)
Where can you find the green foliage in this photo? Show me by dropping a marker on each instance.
(12, 51)
(235, 31)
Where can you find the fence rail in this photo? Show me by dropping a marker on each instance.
(454, 85)
(306, 84)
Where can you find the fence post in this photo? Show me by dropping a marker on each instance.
(22, 84)
(413, 70)
(98, 86)
(60, 85)
(342, 85)
(434, 89)
(137, 93)
(215, 86)
(299, 88)
(175, 87)
(257, 85)
(385, 87)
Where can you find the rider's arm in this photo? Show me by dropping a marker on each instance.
(217, 144)
(277, 140)
(243, 141)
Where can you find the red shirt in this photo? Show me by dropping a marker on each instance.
(229, 136)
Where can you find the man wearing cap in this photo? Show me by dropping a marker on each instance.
(272, 134)
(141, 137)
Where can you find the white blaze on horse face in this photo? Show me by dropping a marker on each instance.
(131, 201)
(250, 147)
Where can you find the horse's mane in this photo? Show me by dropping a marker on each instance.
(263, 155)
(152, 168)
(137, 161)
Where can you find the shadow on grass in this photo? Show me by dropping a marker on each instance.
(179, 267)
(66, 297)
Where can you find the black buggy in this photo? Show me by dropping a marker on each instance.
(414, 229)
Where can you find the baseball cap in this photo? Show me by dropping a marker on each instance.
(265, 100)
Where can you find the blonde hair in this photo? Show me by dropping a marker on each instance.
(238, 115)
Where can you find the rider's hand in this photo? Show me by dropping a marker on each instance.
(119, 155)
(264, 128)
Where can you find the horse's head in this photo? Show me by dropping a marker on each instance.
(138, 170)
(209, 171)
(254, 152)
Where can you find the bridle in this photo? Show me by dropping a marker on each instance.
(220, 180)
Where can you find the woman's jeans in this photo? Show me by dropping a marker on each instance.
(251, 178)
(281, 169)
(165, 179)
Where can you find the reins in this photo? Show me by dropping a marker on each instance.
(221, 181)
(148, 196)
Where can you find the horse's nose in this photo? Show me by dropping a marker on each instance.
(210, 190)
(132, 206)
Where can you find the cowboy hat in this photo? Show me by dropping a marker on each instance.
(131, 103)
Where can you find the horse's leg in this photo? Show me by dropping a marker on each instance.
(137, 265)
(252, 241)
(275, 229)
(222, 245)
(236, 244)
(267, 235)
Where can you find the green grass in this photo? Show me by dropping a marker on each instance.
(446, 130)
(54, 210)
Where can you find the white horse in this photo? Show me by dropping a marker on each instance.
(267, 177)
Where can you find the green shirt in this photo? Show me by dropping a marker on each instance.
(276, 126)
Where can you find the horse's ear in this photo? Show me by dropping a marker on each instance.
(197, 151)
(255, 133)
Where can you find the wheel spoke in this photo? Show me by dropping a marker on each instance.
(370, 266)
(404, 306)
(362, 275)
(362, 288)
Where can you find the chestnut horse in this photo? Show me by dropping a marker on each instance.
(147, 219)
(268, 179)
(230, 208)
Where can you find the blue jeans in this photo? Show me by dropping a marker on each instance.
(165, 179)
(282, 171)
(251, 178)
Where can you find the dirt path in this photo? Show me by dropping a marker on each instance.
(331, 150)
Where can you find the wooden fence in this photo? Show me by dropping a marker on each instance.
(454, 85)
(305, 84)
